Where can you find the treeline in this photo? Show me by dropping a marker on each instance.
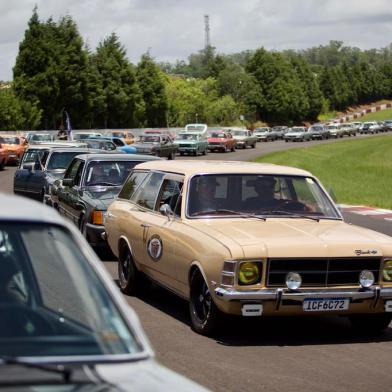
(55, 71)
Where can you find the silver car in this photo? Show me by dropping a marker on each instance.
(298, 134)
(64, 324)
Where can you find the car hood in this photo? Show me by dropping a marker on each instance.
(186, 141)
(282, 237)
(240, 137)
(101, 196)
(145, 145)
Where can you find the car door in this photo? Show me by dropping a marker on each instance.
(35, 180)
(66, 193)
(159, 242)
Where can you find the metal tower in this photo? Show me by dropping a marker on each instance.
(207, 42)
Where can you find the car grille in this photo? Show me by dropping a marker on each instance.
(322, 271)
(214, 143)
(185, 145)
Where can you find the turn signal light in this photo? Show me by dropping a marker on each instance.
(97, 217)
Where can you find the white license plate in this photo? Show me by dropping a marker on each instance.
(325, 304)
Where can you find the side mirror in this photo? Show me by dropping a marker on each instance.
(166, 210)
(29, 166)
(68, 182)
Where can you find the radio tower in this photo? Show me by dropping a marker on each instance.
(207, 43)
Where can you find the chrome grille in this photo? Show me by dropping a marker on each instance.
(322, 271)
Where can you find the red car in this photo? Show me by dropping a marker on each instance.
(3, 157)
(221, 141)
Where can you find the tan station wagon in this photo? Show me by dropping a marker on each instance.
(247, 239)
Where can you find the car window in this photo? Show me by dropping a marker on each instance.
(61, 160)
(170, 194)
(147, 194)
(73, 169)
(132, 183)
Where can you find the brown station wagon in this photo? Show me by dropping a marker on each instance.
(247, 239)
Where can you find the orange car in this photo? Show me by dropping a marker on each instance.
(3, 157)
(128, 137)
(16, 146)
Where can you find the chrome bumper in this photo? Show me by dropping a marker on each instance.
(278, 295)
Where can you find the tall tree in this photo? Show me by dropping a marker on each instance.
(152, 87)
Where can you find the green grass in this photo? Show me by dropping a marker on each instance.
(377, 116)
(327, 116)
(358, 170)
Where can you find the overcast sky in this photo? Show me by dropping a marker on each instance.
(173, 29)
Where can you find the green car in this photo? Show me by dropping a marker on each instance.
(192, 143)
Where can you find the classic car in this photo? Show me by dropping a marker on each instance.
(265, 134)
(101, 144)
(247, 239)
(81, 135)
(221, 141)
(298, 134)
(40, 168)
(64, 325)
(89, 185)
(244, 138)
(334, 130)
(192, 143)
(119, 143)
(319, 131)
(127, 136)
(370, 127)
(388, 125)
(280, 130)
(158, 144)
(16, 146)
(3, 157)
(40, 137)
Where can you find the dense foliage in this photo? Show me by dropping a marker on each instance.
(55, 72)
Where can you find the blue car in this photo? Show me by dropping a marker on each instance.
(119, 143)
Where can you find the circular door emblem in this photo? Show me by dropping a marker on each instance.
(155, 247)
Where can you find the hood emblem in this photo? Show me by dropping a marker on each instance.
(360, 252)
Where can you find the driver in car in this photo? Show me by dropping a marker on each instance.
(265, 199)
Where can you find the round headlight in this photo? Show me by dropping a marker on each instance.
(249, 273)
(387, 271)
(366, 278)
(293, 281)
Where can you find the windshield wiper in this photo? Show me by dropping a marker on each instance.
(103, 183)
(293, 215)
(59, 369)
(240, 214)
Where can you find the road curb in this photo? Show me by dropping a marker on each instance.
(379, 213)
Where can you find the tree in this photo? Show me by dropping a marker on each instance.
(152, 87)
(121, 103)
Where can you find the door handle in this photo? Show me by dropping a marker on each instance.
(145, 225)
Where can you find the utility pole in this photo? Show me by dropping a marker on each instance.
(207, 42)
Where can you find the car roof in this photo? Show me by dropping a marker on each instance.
(191, 167)
(17, 208)
(118, 157)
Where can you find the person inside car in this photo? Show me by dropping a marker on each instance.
(204, 197)
(264, 186)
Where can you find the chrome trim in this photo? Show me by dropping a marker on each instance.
(281, 294)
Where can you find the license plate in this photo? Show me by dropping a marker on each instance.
(325, 304)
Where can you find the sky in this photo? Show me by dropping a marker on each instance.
(173, 29)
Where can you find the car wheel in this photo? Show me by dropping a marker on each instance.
(371, 323)
(227, 149)
(1, 165)
(232, 149)
(182, 154)
(204, 152)
(254, 145)
(203, 311)
(171, 156)
(129, 277)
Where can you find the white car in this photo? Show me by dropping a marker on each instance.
(298, 134)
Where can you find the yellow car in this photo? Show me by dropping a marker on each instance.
(247, 239)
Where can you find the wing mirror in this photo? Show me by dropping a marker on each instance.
(68, 182)
(166, 210)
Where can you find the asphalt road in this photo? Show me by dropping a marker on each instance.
(284, 354)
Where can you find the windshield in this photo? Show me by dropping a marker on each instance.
(220, 135)
(108, 172)
(9, 140)
(239, 133)
(317, 128)
(262, 130)
(52, 302)
(183, 136)
(82, 136)
(38, 156)
(195, 127)
(40, 138)
(149, 139)
(297, 129)
(332, 126)
(61, 160)
(267, 195)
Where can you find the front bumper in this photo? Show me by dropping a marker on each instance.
(286, 302)
(95, 235)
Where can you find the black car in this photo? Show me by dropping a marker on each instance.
(90, 184)
(40, 167)
(160, 145)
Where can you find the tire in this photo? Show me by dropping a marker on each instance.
(254, 145)
(204, 314)
(227, 149)
(232, 149)
(181, 154)
(129, 278)
(204, 152)
(370, 323)
(171, 156)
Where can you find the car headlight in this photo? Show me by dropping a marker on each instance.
(387, 271)
(293, 281)
(366, 278)
(249, 273)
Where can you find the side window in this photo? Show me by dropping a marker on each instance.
(73, 168)
(132, 183)
(78, 175)
(170, 194)
(147, 194)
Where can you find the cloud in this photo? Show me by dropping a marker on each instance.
(173, 29)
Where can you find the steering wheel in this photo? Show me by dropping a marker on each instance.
(22, 321)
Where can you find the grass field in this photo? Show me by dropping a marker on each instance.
(377, 116)
(358, 170)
